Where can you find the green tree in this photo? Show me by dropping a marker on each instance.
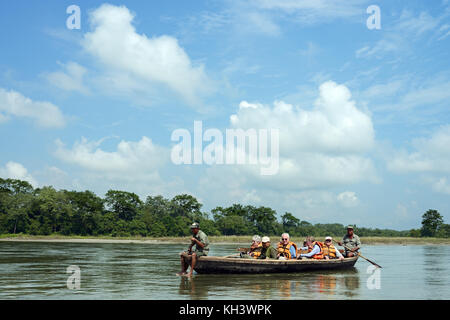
(125, 204)
(53, 211)
(185, 205)
(87, 209)
(431, 222)
(444, 231)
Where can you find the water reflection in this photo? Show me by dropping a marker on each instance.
(324, 285)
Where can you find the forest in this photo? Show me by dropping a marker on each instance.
(46, 211)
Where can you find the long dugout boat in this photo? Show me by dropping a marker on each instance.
(233, 264)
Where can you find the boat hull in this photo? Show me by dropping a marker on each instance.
(240, 265)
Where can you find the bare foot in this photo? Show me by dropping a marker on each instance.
(189, 274)
(180, 273)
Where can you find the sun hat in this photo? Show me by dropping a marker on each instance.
(265, 239)
(195, 225)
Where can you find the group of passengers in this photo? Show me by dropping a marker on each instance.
(261, 248)
(286, 250)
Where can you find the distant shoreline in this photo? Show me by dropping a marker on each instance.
(213, 240)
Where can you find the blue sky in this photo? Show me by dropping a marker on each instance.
(363, 114)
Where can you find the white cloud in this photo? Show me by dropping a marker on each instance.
(71, 79)
(348, 199)
(319, 148)
(135, 61)
(312, 12)
(14, 170)
(442, 185)
(401, 34)
(334, 125)
(429, 155)
(45, 114)
(131, 160)
(134, 166)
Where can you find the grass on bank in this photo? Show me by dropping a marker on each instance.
(225, 239)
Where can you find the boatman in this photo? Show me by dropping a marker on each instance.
(200, 243)
(351, 243)
(267, 252)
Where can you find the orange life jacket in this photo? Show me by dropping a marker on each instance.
(318, 255)
(284, 250)
(329, 251)
(256, 251)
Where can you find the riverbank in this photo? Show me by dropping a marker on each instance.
(213, 239)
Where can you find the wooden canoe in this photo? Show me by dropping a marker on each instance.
(233, 264)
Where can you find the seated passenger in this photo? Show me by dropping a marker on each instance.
(286, 249)
(314, 249)
(329, 250)
(267, 252)
(255, 248)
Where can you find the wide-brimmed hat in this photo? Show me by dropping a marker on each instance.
(328, 238)
(349, 227)
(265, 239)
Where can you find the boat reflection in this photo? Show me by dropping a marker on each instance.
(309, 285)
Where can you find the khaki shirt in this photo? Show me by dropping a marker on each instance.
(351, 242)
(203, 238)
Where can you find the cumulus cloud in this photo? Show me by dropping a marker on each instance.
(14, 170)
(131, 160)
(44, 114)
(134, 60)
(70, 79)
(320, 147)
(348, 199)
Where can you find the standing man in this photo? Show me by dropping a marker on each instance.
(351, 243)
(200, 241)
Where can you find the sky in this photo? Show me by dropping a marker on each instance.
(91, 101)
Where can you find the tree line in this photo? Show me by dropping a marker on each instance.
(46, 211)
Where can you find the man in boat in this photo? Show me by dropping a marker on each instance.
(351, 243)
(255, 248)
(286, 248)
(200, 241)
(314, 249)
(330, 251)
(267, 252)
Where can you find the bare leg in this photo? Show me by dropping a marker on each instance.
(184, 265)
(193, 261)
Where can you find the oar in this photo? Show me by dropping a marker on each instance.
(359, 254)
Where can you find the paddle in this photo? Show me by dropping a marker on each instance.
(359, 254)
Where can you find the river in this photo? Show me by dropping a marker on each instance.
(38, 270)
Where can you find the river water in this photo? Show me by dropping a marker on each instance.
(38, 270)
